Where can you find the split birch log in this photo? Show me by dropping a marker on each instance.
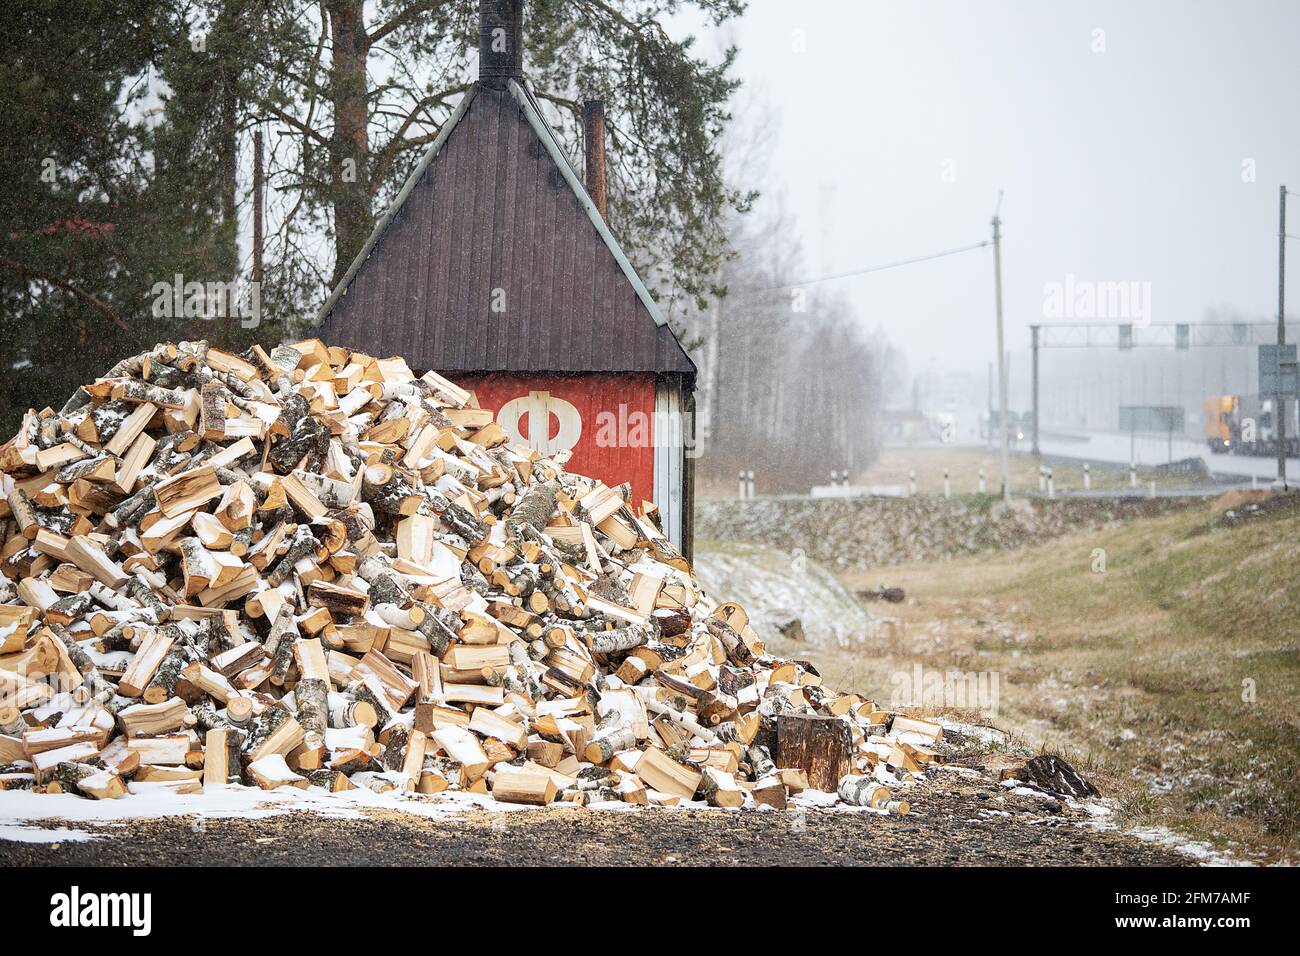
(345, 711)
(150, 719)
(366, 692)
(23, 513)
(143, 666)
(312, 695)
(761, 761)
(515, 786)
(604, 747)
(163, 683)
(89, 781)
(619, 640)
(720, 789)
(864, 791)
(221, 757)
(667, 775)
(271, 772)
(536, 507)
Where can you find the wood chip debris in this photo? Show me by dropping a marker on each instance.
(310, 567)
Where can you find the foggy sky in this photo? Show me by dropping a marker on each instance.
(1120, 166)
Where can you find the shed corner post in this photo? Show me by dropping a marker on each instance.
(691, 451)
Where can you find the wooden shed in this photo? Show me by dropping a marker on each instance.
(495, 267)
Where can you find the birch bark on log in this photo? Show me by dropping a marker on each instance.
(312, 695)
(604, 747)
(100, 689)
(618, 641)
(362, 691)
(163, 684)
(537, 505)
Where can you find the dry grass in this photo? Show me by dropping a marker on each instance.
(1138, 674)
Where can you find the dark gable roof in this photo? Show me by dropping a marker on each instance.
(494, 205)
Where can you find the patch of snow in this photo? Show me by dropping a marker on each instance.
(981, 732)
(770, 583)
(1197, 850)
(243, 802)
(18, 808)
(22, 834)
(914, 738)
(1022, 791)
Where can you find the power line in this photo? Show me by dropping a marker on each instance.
(870, 269)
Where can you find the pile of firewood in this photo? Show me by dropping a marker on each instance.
(314, 568)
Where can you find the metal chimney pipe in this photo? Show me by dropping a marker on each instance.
(593, 118)
(500, 42)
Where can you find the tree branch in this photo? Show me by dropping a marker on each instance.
(573, 106)
(613, 14)
(403, 18)
(67, 287)
(291, 120)
(398, 143)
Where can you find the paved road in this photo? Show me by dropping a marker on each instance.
(1114, 448)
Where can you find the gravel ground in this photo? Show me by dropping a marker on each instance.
(955, 821)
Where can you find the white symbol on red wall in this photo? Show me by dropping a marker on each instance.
(545, 414)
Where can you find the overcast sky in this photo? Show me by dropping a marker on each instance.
(1123, 133)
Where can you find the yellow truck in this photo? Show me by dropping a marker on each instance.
(1245, 425)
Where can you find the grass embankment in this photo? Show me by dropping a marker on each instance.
(1173, 676)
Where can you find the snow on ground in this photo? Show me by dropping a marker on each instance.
(249, 803)
(1102, 810)
(22, 834)
(21, 812)
(768, 582)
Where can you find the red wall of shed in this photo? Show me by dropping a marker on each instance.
(615, 413)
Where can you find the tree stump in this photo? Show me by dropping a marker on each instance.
(819, 746)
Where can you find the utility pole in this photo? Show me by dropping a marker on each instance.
(259, 194)
(990, 405)
(1033, 335)
(1280, 412)
(1002, 360)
